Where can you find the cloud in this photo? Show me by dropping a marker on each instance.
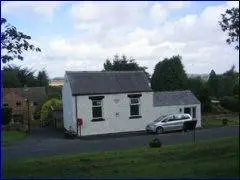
(44, 9)
(143, 31)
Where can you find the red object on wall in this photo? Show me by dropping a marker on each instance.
(80, 122)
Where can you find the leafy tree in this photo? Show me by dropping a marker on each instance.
(42, 78)
(205, 100)
(14, 42)
(48, 107)
(169, 75)
(16, 76)
(195, 84)
(123, 64)
(230, 23)
(213, 83)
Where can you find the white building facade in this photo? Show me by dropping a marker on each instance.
(112, 102)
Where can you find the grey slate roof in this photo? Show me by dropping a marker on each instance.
(107, 82)
(171, 98)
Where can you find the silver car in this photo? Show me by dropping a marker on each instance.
(168, 122)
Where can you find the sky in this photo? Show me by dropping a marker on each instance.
(82, 35)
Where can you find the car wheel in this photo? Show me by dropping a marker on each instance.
(159, 130)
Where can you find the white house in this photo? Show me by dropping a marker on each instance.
(118, 101)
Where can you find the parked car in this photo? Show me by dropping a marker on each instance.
(169, 122)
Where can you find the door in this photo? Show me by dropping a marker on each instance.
(171, 124)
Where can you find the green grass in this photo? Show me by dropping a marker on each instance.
(215, 158)
(11, 136)
(215, 120)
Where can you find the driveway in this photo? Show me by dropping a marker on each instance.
(43, 143)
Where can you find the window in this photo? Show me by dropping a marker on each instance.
(134, 107)
(191, 111)
(187, 111)
(18, 103)
(35, 103)
(97, 109)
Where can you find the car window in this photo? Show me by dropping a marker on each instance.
(160, 118)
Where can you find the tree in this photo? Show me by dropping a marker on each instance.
(16, 76)
(196, 84)
(169, 75)
(213, 83)
(42, 78)
(230, 23)
(14, 42)
(123, 64)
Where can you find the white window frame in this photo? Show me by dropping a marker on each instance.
(93, 106)
(139, 105)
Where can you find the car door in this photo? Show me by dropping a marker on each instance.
(170, 124)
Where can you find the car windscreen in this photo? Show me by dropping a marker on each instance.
(160, 118)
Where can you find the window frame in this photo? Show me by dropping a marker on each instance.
(135, 104)
(97, 106)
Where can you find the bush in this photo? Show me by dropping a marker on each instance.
(225, 122)
(47, 109)
(155, 142)
(231, 103)
(7, 115)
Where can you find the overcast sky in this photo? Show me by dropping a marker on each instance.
(81, 35)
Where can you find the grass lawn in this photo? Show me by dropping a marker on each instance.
(215, 158)
(216, 120)
(10, 136)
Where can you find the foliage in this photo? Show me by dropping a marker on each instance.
(213, 83)
(48, 107)
(225, 122)
(7, 115)
(226, 84)
(17, 76)
(230, 23)
(195, 84)
(43, 79)
(211, 158)
(123, 64)
(14, 42)
(54, 92)
(169, 75)
(155, 142)
(231, 103)
(205, 100)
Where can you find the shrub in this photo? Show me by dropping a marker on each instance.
(231, 103)
(225, 122)
(7, 115)
(155, 142)
(48, 107)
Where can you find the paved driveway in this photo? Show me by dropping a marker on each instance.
(43, 143)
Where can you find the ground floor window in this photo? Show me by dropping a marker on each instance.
(191, 111)
(134, 107)
(97, 108)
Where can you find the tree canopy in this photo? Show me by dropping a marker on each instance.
(169, 75)
(14, 42)
(16, 76)
(123, 64)
(230, 24)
